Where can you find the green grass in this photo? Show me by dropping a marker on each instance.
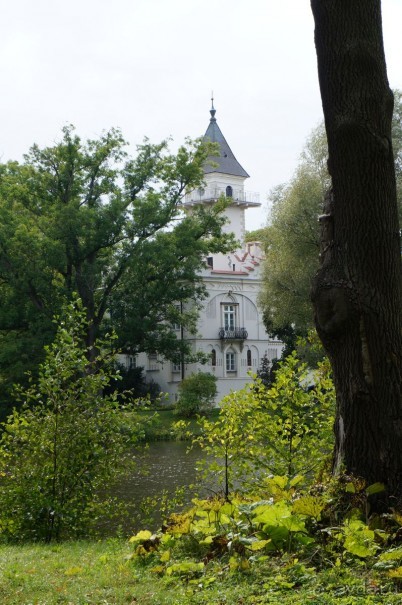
(73, 573)
(161, 421)
(104, 573)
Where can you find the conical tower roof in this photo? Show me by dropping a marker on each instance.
(226, 161)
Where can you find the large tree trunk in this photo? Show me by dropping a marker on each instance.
(357, 292)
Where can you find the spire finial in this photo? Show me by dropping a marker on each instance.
(212, 110)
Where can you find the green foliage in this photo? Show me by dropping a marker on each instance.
(264, 372)
(218, 537)
(62, 451)
(292, 241)
(133, 380)
(258, 235)
(292, 235)
(285, 429)
(197, 393)
(85, 217)
(249, 551)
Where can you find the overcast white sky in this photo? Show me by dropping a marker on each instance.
(149, 66)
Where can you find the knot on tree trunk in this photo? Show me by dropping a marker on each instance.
(333, 308)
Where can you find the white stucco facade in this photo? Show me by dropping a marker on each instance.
(230, 326)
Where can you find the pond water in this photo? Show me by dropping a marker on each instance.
(162, 469)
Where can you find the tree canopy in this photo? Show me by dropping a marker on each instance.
(292, 238)
(87, 217)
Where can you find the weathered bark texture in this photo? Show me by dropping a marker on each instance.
(357, 293)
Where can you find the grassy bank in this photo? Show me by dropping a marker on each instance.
(159, 425)
(84, 573)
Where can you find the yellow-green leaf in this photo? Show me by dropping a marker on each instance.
(258, 544)
(142, 536)
(311, 506)
(165, 556)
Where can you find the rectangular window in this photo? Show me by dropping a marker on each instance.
(176, 326)
(153, 362)
(176, 368)
(230, 362)
(229, 317)
(130, 362)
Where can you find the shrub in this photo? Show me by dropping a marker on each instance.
(68, 443)
(197, 394)
(285, 429)
(133, 380)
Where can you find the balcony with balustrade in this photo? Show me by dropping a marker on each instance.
(233, 334)
(211, 194)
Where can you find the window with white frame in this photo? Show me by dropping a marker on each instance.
(249, 360)
(153, 362)
(176, 368)
(130, 362)
(229, 317)
(230, 361)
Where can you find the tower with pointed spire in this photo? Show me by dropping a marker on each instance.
(224, 175)
(230, 328)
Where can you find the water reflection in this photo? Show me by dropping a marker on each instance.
(161, 469)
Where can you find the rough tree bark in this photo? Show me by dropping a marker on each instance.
(357, 292)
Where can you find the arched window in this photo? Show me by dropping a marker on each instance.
(230, 361)
(229, 191)
(213, 357)
(249, 362)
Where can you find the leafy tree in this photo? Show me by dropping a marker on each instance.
(258, 235)
(166, 272)
(133, 380)
(292, 243)
(283, 429)
(357, 292)
(86, 217)
(59, 456)
(264, 372)
(197, 393)
(292, 237)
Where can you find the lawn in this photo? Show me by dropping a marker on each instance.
(158, 424)
(105, 573)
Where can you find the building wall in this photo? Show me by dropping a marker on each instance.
(225, 289)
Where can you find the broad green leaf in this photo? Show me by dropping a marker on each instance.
(359, 539)
(165, 556)
(258, 544)
(141, 536)
(375, 488)
(311, 506)
(277, 515)
(391, 555)
(396, 573)
(184, 568)
(296, 480)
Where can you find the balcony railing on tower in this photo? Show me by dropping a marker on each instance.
(233, 334)
(213, 193)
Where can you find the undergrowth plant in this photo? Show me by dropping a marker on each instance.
(285, 429)
(289, 532)
(68, 443)
(197, 393)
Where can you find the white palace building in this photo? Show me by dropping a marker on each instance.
(230, 326)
